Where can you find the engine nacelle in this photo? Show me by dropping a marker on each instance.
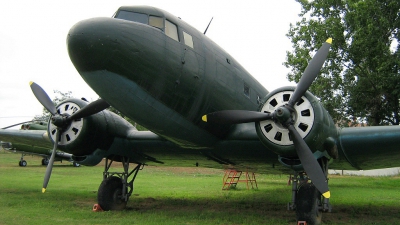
(89, 160)
(312, 121)
(88, 137)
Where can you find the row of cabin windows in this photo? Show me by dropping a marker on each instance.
(170, 29)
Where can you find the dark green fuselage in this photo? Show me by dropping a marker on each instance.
(167, 84)
(166, 77)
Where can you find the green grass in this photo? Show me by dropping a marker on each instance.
(180, 196)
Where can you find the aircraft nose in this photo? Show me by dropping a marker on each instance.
(91, 44)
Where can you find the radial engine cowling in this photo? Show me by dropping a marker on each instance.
(311, 120)
(89, 136)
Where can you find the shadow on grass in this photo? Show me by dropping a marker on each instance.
(259, 209)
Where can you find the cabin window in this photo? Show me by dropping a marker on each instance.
(132, 16)
(156, 21)
(188, 39)
(246, 90)
(171, 30)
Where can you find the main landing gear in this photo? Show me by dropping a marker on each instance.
(22, 162)
(115, 190)
(306, 199)
(45, 161)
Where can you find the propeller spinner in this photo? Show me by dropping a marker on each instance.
(62, 121)
(283, 116)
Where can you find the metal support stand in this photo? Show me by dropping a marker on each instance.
(232, 178)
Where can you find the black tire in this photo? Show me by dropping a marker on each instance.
(23, 163)
(45, 161)
(308, 199)
(109, 194)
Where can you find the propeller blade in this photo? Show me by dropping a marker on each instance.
(49, 167)
(311, 72)
(310, 163)
(93, 108)
(236, 116)
(43, 98)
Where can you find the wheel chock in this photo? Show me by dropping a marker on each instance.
(97, 208)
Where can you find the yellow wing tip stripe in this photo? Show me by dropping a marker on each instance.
(329, 41)
(204, 118)
(327, 194)
(43, 190)
(30, 83)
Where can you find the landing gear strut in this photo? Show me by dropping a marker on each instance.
(306, 199)
(115, 190)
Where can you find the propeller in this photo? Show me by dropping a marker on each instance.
(49, 167)
(30, 121)
(283, 115)
(62, 121)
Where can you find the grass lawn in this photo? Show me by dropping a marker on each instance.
(177, 195)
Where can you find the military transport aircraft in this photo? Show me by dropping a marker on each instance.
(35, 150)
(201, 107)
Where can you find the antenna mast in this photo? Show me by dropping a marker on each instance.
(208, 25)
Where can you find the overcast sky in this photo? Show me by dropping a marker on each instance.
(33, 43)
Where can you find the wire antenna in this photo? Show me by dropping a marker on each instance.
(208, 25)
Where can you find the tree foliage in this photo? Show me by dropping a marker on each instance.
(360, 79)
(60, 96)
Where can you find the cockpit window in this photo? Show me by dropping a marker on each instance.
(132, 16)
(171, 30)
(188, 39)
(156, 21)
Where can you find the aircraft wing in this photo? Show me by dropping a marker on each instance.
(369, 147)
(146, 146)
(38, 138)
(359, 148)
(59, 154)
(241, 149)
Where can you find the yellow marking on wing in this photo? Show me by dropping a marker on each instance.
(30, 83)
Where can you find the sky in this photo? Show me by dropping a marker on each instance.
(33, 43)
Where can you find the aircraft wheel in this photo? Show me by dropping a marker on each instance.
(23, 163)
(75, 164)
(109, 195)
(308, 199)
(45, 161)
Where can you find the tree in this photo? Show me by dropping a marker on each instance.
(360, 79)
(60, 96)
